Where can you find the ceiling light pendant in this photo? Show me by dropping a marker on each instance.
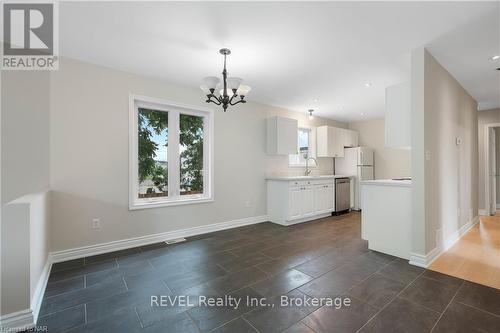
(310, 114)
(229, 92)
(495, 57)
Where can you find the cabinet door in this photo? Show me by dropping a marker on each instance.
(329, 198)
(322, 142)
(338, 142)
(295, 203)
(351, 138)
(319, 198)
(307, 200)
(282, 136)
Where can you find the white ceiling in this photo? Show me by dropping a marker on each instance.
(295, 55)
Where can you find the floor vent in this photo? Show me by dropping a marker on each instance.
(174, 241)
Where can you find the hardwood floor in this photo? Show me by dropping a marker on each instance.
(476, 256)
(325, 258)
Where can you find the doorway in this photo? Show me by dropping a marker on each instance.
(492, 164)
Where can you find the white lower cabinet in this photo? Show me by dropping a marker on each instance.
(292, 202)
(323, 198)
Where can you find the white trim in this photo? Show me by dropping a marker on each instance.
(498, 205)
(419, 260)
(17, 321)
(487, 167)
(425, 261)
(482, 212)
(36, 300)
(453, 238)
(174, 109)
(302, 219)
(91, 250)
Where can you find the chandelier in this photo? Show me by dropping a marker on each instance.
(231, 92)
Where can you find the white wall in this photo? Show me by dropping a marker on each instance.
(89, 157)
(484, 118)
(389, 162)
(445, 184)
(25, 133)
(25, 181)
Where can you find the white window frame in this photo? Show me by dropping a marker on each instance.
(174, 111)
(292, 159)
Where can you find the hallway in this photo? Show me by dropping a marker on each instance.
(476, 256)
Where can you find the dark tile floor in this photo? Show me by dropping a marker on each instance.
(320, 259)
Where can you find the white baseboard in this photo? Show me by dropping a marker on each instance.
(482, 212)
(91, 250)
(285, 223)
(17, 321)
(425, 261)
(498, 205)
(26, 319)
(36, 301)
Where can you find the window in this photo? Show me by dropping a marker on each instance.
(170, 153)
(304, 147)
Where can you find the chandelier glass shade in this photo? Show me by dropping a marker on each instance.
(229, 91)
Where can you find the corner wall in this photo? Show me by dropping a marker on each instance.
(25, 180)
(445, 184)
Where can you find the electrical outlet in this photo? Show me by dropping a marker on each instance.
(96, 223)
(427, 155)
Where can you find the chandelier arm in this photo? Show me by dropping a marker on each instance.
(239, 101)
(211, 100)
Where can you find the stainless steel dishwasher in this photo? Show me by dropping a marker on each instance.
(342, 195)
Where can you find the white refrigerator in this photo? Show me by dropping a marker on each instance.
(358, 163)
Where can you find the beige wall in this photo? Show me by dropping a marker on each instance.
(89, 158)
(484, 118)
(448, 183)
(389, 162)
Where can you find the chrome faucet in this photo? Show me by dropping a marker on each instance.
(307, 158)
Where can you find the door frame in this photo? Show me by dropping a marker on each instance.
(487, 166)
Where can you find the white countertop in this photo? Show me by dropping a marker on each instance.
(387, 182)
(288, 178)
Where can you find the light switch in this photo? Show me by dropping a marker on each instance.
(427, 155)
(458, 141)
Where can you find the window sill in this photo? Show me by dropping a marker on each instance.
(169, 203)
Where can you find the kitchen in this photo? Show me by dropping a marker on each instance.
(370, 169)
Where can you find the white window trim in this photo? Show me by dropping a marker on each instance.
(312, 148)
(174, 109)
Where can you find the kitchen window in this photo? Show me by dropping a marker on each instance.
(305, 145)
(170, 153)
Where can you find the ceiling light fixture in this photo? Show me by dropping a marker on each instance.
(362, 114)
(368, 84)
(230, 90)
(310, 114)
(495, 57)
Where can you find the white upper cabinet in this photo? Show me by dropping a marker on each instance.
(350, 138)
(282, 136)
(398, 116)
(330, 141)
